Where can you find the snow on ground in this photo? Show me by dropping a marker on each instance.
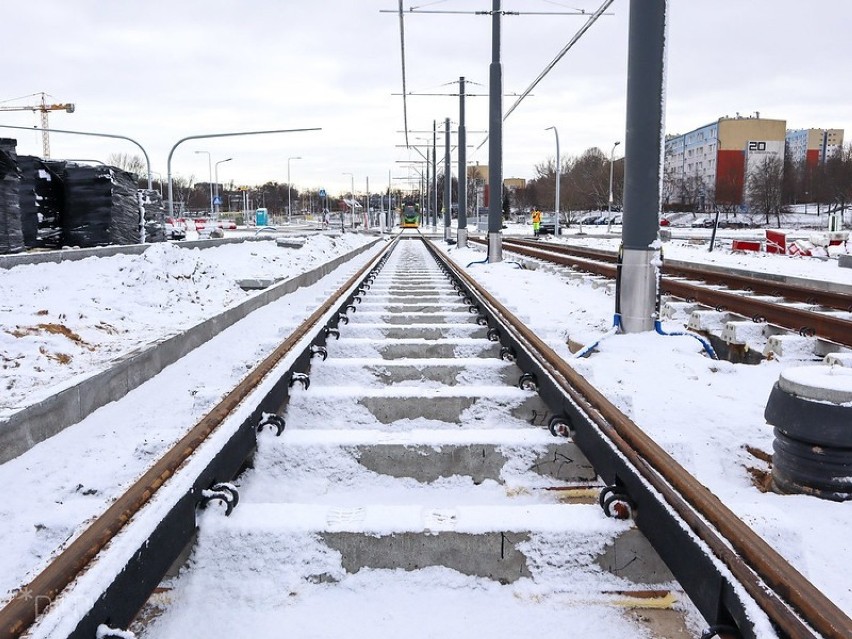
(705, 413)
(58, 321)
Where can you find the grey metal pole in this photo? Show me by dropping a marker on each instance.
(636, 300)
(289, 189)
(609, 202)
(210, 179)
(558, 179)
(434, 175)
(216, 183)
(448, 181)
(424, 213)
(495, 140)
(461, 235)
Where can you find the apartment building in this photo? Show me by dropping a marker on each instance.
(711, 163)
(813, 146)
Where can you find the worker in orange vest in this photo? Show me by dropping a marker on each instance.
(536, 221)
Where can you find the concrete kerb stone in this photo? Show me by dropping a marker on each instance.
(63, 255)
(38, 422)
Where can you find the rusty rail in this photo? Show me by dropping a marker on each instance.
(803, 321)
(777, 587)
(20, 613)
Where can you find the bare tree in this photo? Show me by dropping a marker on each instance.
(126, 162)
(837, 180)
(765, 188)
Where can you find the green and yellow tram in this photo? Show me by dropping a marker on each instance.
(410, 216)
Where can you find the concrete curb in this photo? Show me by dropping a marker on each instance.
(36, 423)
(73, 254)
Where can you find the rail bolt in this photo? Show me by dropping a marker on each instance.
(301, 378)
(271, 419)
(330, 330)
(561, 426)
(222, 492)
(319, 350)
(616, 503)
(528, 382)
(507, 354)
(493, 335)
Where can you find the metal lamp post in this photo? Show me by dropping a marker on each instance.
(558, 176)
(609, 205)
(216, 185)
(351, 195)
(210, 178)
(289, 209)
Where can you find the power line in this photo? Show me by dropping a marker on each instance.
(592, 19)
(402, 55)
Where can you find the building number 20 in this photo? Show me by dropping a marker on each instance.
(757, 146)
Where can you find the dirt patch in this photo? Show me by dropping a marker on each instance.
(53, 329)
(761, 474)
(62, 358)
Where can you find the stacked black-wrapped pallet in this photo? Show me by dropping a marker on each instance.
(42, 201)
(50, 192)
(30, 168)
(151, 208)
(101, 206)
(11, 235)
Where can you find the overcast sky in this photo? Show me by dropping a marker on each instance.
(161, 70)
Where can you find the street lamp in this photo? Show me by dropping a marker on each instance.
(609, 205)
(558, 175)
(352, 195)
(289, 210)
(210, 171)
(216, 188)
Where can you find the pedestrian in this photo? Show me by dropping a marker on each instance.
(536, 221)
(325, 219)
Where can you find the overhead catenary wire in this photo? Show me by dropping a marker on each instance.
(592, 19)
(402, 56)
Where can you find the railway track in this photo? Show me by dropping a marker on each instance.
(804, 311)
(417, 465)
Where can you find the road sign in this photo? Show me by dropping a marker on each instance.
(217, 201)
(322, 193)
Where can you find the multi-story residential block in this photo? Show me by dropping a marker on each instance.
(711, 164)
(813, 146)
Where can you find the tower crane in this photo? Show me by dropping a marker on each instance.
(44, 108)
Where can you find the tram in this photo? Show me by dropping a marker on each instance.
(410, 216)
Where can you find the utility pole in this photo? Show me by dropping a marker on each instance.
(636, 303)
(461, 235)
(448, 182)
(434, 175)
(495, 135)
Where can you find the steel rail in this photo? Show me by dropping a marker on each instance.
(763, 572)
(803, 321)
(20, 613)
(792, 292)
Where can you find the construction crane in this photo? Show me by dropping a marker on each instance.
(44, 108)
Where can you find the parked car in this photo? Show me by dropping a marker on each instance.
(590, 219)
(228, 225)
(664, 221)
(733, 224)
(548, 223)
(703, 223)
